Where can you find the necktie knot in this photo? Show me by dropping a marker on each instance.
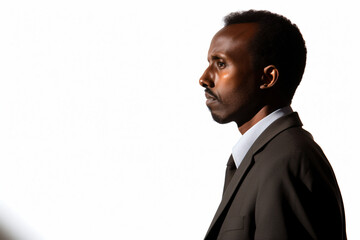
(231, 163)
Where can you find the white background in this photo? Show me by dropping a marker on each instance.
(104, 132)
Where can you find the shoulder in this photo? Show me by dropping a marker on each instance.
(290, 144)
(295, 182)
(293, 154)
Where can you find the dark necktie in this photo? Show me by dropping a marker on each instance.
(230, 171)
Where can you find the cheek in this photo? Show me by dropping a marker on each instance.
(236, 94)
(227, 81)
(229, 95)
(229, 86)
(225, 76)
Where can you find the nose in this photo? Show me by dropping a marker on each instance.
(206, 80)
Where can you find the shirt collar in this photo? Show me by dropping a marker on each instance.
(246, 141)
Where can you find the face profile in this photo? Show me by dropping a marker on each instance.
(230, 81)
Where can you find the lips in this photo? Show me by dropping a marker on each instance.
(210, 97)
(209, 94)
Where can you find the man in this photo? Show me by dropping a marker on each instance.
(278, 183)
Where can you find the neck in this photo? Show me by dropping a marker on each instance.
(262, 113)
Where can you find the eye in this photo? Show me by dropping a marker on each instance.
(221, 65)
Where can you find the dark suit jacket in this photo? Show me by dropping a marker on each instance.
(284, 188)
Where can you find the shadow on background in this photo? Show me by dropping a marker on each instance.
(6, 235)
(9, 234)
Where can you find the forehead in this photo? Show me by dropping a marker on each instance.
(233, 38)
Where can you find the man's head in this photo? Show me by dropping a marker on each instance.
(257, 59)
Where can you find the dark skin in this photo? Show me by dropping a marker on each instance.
(234, 89)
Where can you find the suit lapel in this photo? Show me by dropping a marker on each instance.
(291, 120)
(236, 179)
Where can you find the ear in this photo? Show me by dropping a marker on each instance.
(270, 77)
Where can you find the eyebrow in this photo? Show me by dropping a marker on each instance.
(215, 57)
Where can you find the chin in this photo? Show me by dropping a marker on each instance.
(219, 119)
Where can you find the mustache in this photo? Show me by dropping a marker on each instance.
(208, 91)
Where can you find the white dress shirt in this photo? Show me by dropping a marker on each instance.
(246, 141)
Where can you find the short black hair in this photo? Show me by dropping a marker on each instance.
(278, 42)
